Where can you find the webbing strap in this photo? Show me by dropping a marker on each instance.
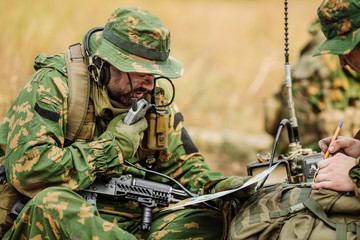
(285, 199)
(340, 231)
(254, 214)
(79, 89)
(304, 194)
(135, 48)
(293, 209)
(316, 209)
(341, 228)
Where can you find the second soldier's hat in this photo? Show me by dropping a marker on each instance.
(340, 22)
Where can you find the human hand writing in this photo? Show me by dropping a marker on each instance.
(346, 145)
(333, 173)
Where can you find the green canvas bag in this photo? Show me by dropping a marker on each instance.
(285, 211)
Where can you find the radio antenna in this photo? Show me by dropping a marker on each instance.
(288, 81)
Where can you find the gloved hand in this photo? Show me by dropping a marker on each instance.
(233, 182)
(128, 137)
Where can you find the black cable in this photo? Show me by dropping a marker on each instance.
(190, 194)
(133, 99)
(291, 137)
(173, 95)
(87, 38)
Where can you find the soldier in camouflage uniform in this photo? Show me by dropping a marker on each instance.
(324, 94)
(329, 209)
(340, 24)
(43, 166)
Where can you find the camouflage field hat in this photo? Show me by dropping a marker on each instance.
(134, 40)
(340, 22)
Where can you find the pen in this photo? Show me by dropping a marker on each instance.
(336, 134)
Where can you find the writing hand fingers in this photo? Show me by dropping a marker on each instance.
(324, 143)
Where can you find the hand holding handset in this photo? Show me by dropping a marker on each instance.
(134, 116)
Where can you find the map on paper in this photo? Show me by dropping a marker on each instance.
(207, 197)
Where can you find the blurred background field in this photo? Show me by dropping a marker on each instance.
(233, 52)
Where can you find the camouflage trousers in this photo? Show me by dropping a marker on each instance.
(59, 213)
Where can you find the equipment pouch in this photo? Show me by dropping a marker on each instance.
(156, 135)
(8, 197)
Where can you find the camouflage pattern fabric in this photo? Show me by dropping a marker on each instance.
(134, 40)
(36, 158)
(59, 213)
(324, 94)
(340, 21)
(290, 211)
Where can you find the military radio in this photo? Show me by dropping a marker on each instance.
(136, 113)
(153, 107)
(300, 164)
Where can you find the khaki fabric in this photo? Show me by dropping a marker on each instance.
(281, 212)
(8, 197)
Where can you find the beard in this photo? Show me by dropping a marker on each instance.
(125, 99)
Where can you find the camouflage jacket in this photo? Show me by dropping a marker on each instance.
(324, 94)
(33, 133)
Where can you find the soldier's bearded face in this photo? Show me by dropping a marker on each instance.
(119, 86)
(352, 59)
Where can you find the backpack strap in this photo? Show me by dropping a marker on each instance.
(304, 194)
(341, 228)
(76, 62)
(306, 202)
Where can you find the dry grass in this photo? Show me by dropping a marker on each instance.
(232, 50)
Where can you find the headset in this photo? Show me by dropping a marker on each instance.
(99, 68)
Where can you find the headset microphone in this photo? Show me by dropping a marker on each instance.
(133, 99)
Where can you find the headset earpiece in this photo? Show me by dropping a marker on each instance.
(104, 77)
(100, 70)
(103, 68)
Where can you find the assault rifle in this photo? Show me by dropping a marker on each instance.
(148, 194)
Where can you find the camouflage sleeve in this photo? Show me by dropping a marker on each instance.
(354, 175)
(182, 160)
(36, 124)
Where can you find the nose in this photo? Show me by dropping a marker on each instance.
(343, 61)
(148, 83)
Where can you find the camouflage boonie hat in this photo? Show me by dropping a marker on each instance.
(340, 22)
(134, 40)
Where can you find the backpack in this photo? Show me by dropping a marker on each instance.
(80, 127)
(292, 211)
(81, 117)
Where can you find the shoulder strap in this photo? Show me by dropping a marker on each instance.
(341, 228)
(79, 89)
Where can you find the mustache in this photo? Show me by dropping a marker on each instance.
(140, 89)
